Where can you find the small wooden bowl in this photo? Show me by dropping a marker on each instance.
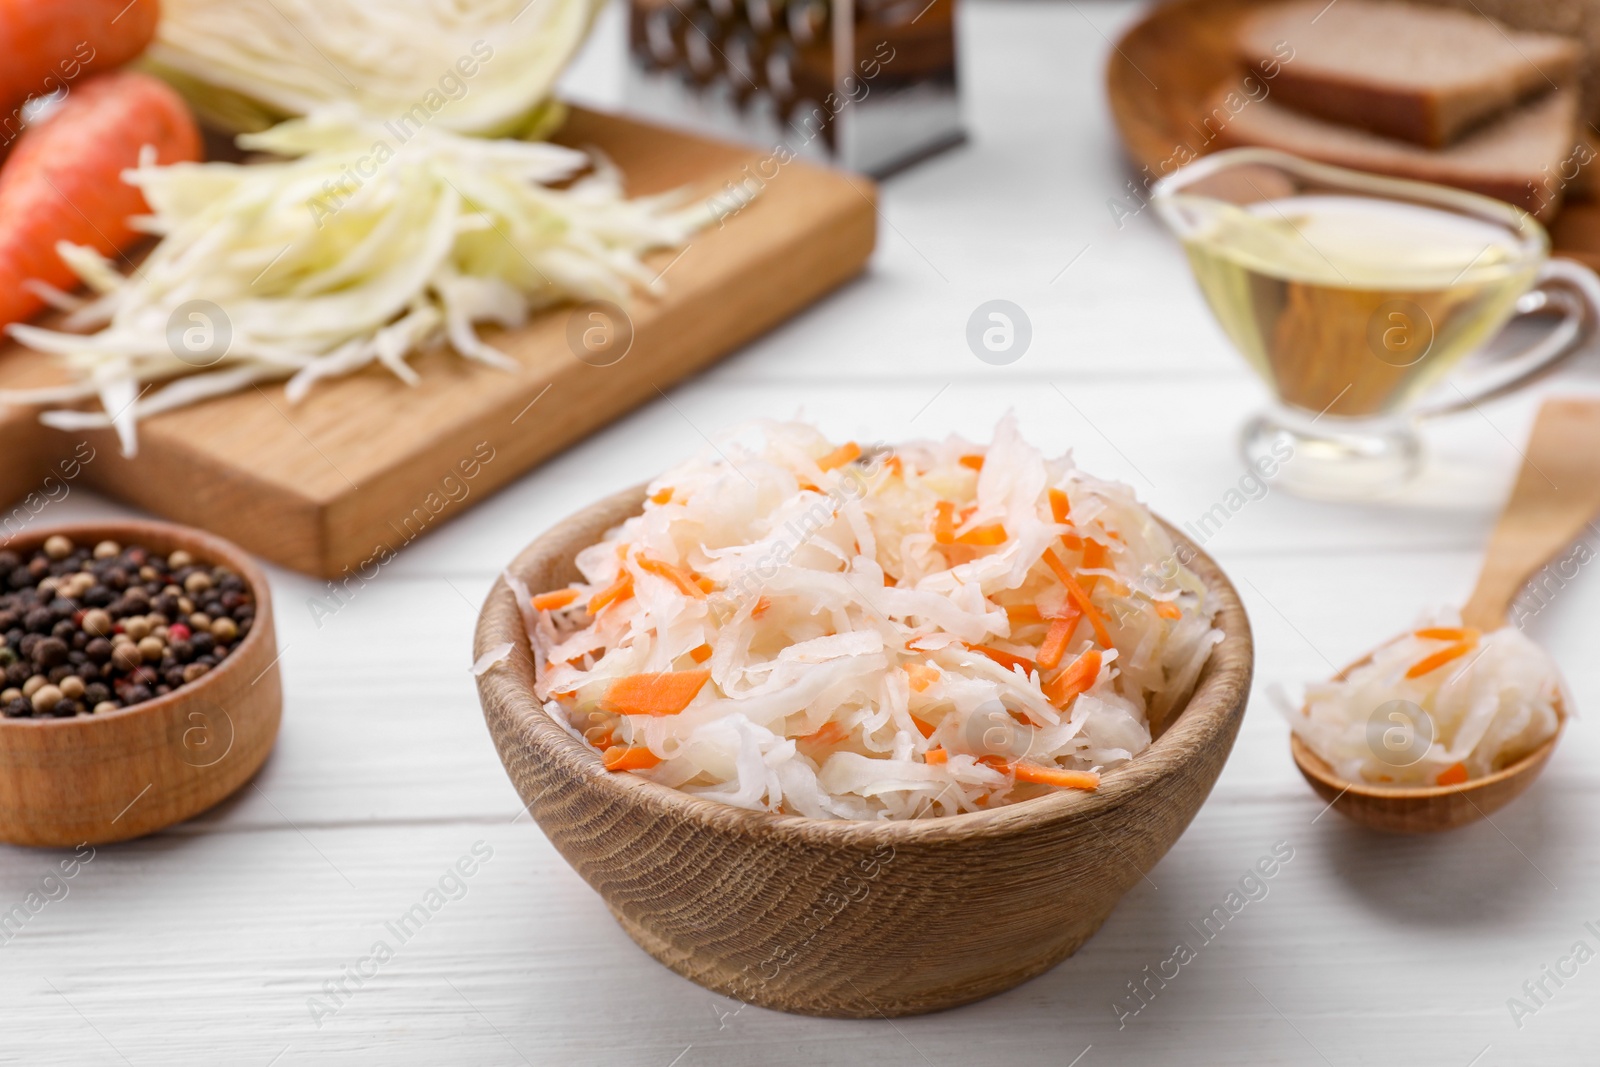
(837, 917)
(130, 772)
(1423, 809)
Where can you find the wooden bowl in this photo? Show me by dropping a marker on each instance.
(1423, 809)
(101, 778)
(839, 917)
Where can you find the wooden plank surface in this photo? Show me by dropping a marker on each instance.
(203, 945)
(366, 464)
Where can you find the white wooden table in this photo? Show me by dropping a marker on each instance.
(216, 942)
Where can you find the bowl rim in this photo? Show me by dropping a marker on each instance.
(129, 531)
(1215, 708)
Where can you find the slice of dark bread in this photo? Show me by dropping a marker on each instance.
(1510, 159)
(1422, 74)
(1578, 19)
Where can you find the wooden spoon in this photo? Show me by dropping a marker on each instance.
(1555, 499)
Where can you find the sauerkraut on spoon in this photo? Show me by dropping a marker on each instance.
(1440, 705)
(799, 626)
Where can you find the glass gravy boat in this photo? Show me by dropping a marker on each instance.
(1356, 298)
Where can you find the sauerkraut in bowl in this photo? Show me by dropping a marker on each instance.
(809, 627)
(1440, 705)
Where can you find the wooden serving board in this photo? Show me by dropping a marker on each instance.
(366, 464)
(1166, 69)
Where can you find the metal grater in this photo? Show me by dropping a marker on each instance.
(869, 85)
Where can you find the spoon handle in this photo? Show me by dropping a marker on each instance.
(1555, 500)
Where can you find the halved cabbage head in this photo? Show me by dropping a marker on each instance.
(469, 66)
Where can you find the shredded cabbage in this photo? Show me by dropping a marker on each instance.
(363, 249)
(1489, 705)
(473, 66)
(858, 634)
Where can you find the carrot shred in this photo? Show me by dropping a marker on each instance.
(894, 465)
(845, 453)
(1023, 613)
(944, 523)
(1094, 558)
(1006, 659)
(1429, 664)
(936, 756)
(664, 693)
(887, 580)
(700, 654)
(1075, 591)
(829, 733)
(992, 534)
(924, 727)
(922, 675)
(555, 599)
(1168, 610)
(662, 496)
(684, 580)
(620, 758)
(1032, 772)
(1054, 645)
(1073, 542)
(1447, 633)
(971, 462)
(763, 605)
(1078, 676)
(1454, 774)
(617, 591)
(1060, 506)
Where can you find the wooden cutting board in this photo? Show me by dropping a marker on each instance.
(1166, 69)
(365, 464)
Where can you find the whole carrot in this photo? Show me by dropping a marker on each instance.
(63, 182)
(46, 45)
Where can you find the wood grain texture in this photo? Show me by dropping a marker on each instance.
(1166, 72)
(1429, 810)
(1553, 504)
(101, 778)
(843, 918)
(365, 464)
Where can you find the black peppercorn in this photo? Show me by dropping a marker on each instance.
(50, 651)
(61, 606)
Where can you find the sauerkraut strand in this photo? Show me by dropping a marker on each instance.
(795, 626)
(1440, 705)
